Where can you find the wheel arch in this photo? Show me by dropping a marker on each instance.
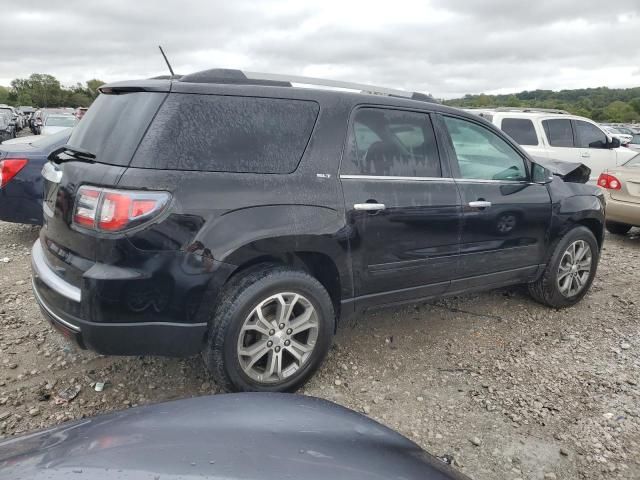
(580, 210)
(319, 264)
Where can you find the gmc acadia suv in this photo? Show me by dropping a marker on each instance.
(236, 215)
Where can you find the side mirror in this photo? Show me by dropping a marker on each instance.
(614, 143)
(540, 174)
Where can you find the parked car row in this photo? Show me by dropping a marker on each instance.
(629, 134)
(51, 120)
(11, 122)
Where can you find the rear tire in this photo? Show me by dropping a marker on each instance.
(271, 330)
(618, 228)
(566, 280)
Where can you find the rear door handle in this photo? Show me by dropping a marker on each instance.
(369, 207)
(480, 204)
(585, 154)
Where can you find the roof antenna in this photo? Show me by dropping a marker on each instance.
(166, 60)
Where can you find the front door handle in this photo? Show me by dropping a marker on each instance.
(369, 207)
(480, 204)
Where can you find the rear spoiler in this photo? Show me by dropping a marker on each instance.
(151, 85)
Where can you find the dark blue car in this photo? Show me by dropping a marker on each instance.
(21, 185)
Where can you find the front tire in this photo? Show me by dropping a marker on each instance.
(570, 270)
(271, 330)
(618, 228)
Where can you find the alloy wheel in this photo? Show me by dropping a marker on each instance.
(575, 268)
(278, 337)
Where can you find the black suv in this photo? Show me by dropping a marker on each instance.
(240, 216)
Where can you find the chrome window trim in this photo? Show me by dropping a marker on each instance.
(396, 179)
(480, 180)
(391, 178)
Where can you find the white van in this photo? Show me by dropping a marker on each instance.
(558, 135)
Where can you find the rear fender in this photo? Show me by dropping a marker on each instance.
(276, 232)
(241, 236)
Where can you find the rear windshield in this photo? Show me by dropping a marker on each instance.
(113, 126)
(227, 134)
(61, 121)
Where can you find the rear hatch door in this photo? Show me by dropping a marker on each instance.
(98, 153)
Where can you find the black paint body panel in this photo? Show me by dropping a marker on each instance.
(222, 437)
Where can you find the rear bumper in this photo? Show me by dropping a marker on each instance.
(62, 304)
(623, 212)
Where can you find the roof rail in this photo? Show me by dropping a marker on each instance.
(238, 77)
(531, 110)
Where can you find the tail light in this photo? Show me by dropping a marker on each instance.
(108, 210)
(608, 181)
(9, 167)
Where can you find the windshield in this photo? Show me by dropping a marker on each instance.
(60, 121)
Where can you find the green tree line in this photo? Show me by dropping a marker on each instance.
(600, 104)
(44, 90)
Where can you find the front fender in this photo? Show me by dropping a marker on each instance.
(575, 203)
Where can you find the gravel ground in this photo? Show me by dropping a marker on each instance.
(495, 383)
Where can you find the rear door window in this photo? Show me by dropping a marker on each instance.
(228, 134)
(385, 142)
(588, 135)
(521, 130)
(559, 132)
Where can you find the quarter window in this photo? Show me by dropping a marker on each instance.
(227, 134)
(392, 143)
(521, 130)
(589, 136)
(483, 155)
(558, 132)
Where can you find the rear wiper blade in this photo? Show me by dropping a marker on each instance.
(67, 153)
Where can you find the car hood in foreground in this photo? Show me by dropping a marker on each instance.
(568, 171)
(235, 436)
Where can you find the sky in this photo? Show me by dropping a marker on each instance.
(444, 47)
